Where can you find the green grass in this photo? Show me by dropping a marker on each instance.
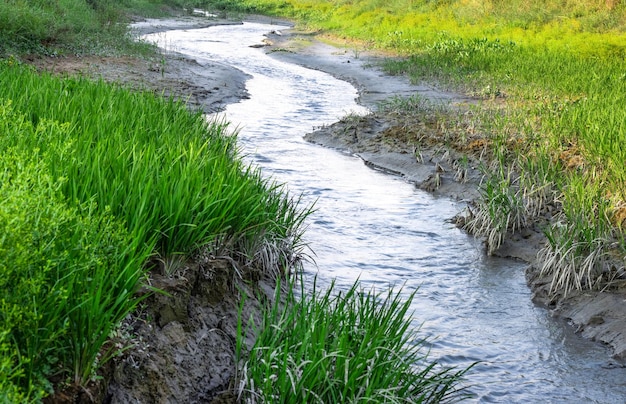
(336, 347)
(74, 27)
(68, 271)
(95, 181)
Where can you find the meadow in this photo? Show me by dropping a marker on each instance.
(550, 78)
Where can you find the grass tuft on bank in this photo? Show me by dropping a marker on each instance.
(342, 346)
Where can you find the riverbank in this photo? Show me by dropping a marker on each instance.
(181, 343)
(380, 141)
(207, 86)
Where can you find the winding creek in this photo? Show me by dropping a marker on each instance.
(382, 230)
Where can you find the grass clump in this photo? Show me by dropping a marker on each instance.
(347, 346)
(174, 178)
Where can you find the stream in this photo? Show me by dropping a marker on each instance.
(380, 229)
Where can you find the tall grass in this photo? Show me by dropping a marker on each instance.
(173, 177)
(96, 180)
(68, 272)
(336, 347)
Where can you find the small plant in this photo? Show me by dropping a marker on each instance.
(404, 105)
(583, 251)
(461, 166)
(500, 210)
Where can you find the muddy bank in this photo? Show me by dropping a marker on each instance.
(184, 344)
(208, 86)
(380, 141)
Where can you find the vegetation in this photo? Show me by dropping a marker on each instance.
(99, 183)
(336, 347)
(551, 77)
(77, 27)
(96, 180)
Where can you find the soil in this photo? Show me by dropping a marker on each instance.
(184, 344)
(183, 347)
(205, 86)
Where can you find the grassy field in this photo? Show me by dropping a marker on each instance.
(99, 183)
(551, 77)
(74, 27)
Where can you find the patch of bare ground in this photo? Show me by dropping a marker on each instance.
(205, 86)
(184, 340)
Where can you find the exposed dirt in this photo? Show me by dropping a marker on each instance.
(183, 350)
(180, 345)
(184, 345)
(205, 86)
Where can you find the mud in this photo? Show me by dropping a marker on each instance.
(184, 344)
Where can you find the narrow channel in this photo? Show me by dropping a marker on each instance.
(383, 231)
